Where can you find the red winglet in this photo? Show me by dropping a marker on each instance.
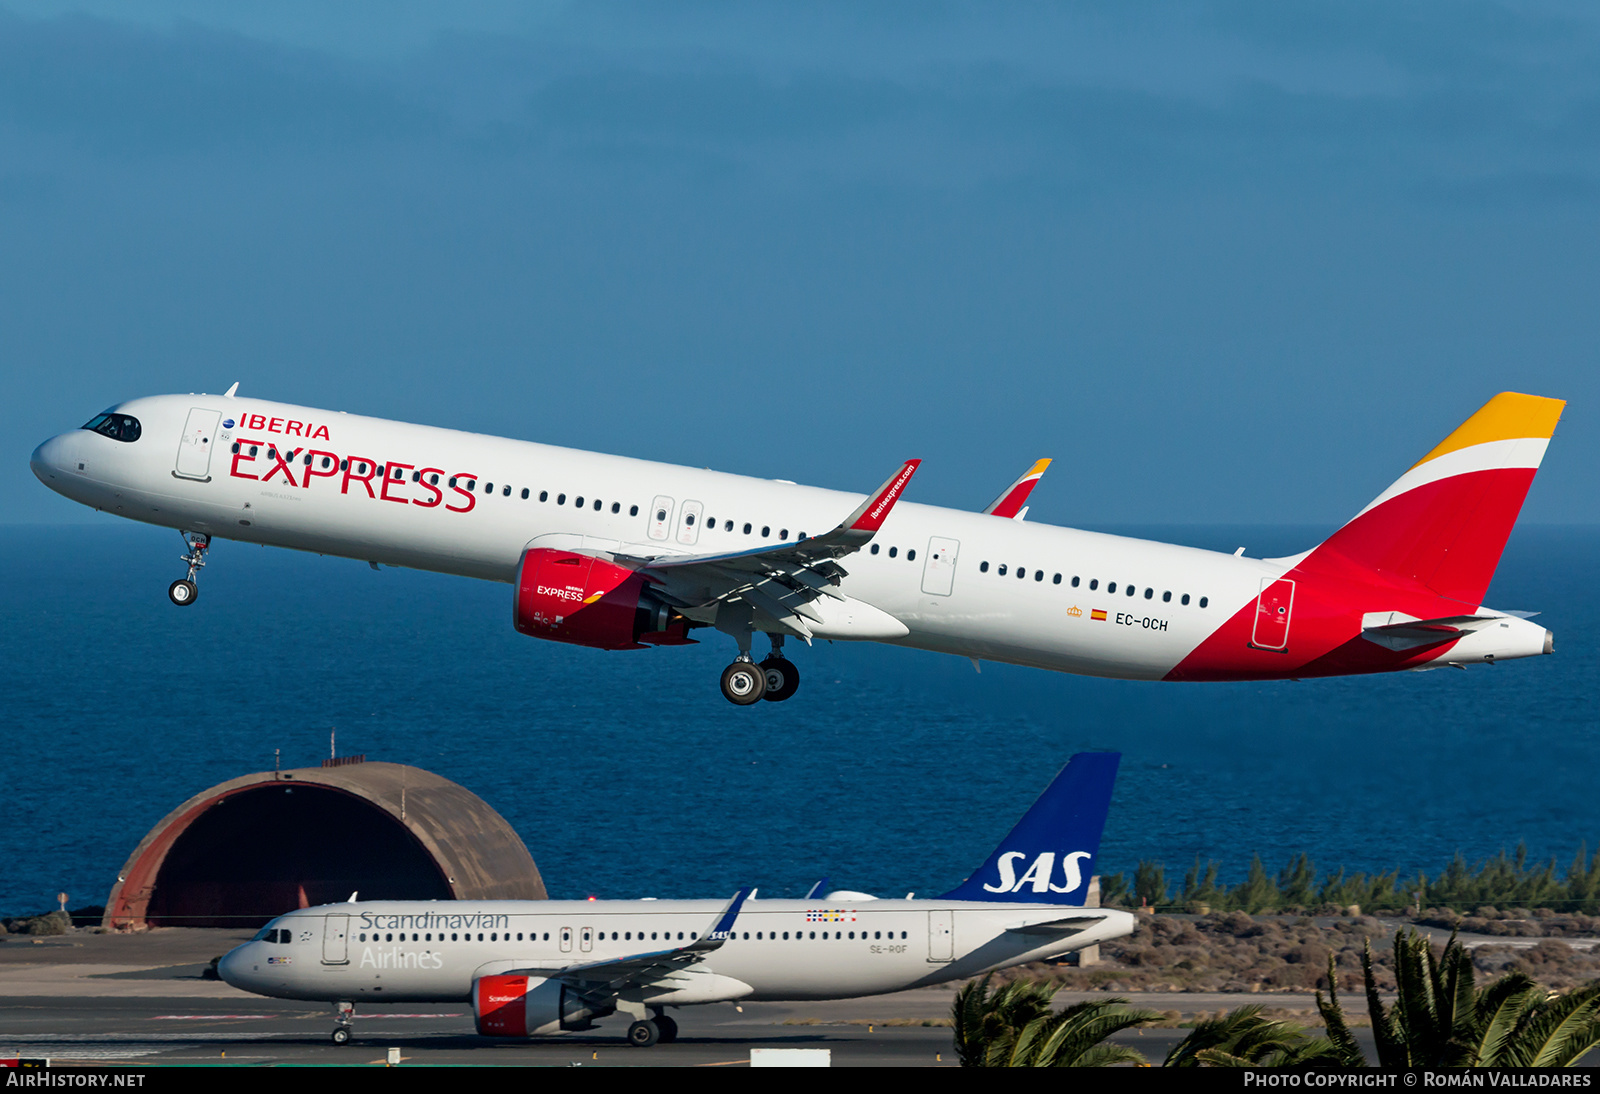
(872, 514)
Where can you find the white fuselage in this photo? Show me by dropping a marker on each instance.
(1009, 595)
(422, 951)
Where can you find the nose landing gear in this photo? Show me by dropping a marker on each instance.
(184, 591)
(343, 1016)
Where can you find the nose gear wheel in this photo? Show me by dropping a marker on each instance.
(186, 590)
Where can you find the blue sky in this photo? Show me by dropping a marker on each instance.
(1226, 262)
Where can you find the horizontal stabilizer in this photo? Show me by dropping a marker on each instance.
(1071, 924)
(1398, 631)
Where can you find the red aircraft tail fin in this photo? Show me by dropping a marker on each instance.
(1444, 523)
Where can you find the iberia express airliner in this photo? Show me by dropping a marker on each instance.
(624, 554)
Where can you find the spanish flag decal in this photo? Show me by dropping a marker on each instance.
(1096, 613)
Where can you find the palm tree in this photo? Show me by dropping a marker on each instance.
(1243, 1038)
(1016, 1026)
(1439, 1019)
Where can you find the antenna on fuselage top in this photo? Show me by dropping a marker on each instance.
(231, 391)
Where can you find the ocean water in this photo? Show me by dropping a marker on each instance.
(628, 774)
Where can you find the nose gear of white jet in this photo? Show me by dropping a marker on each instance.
(184, 591)
(343, 1015)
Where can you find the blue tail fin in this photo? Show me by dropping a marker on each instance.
(1049, 856)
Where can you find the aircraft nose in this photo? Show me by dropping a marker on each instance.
(47, 458)
(234, 967)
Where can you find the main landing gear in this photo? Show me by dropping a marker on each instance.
(775, 679)
(343, 1016)
(658, 1028)
(184, 591)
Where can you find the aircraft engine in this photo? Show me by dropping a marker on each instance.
(527, 1006)
(568, 597)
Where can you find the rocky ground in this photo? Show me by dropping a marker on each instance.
(1235, 952)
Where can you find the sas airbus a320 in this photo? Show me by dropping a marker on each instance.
(624, 554)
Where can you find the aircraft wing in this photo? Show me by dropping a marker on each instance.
(620, 973)
(777, 582)
(1013, 500)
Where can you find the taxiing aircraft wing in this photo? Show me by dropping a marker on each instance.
(619, 973)
(777, 582)
(1013, 500)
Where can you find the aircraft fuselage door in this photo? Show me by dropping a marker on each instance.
(194, 450)
(660, 517)
(1273, 608)
(566, 939)
(336, 939)
(689, 521)
(941, 935)
(585, 939)
(939, 572)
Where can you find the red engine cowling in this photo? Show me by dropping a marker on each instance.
(568, 597)
(526, 1006)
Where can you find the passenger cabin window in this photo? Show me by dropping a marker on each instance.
(983, 567)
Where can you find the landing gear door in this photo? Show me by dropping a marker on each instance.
(660, 517)
(336, 939)
(689, 523)
(1273, 608)
(941, 935)
(939, 572)
(194, 450)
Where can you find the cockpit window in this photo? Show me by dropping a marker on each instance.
(119, 427)
(261, 935)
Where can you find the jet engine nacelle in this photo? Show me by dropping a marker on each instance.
(528, 1006)
(568, 597)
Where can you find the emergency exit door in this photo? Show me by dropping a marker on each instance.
(194, 450)
(1273, 609)
(939, 572)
